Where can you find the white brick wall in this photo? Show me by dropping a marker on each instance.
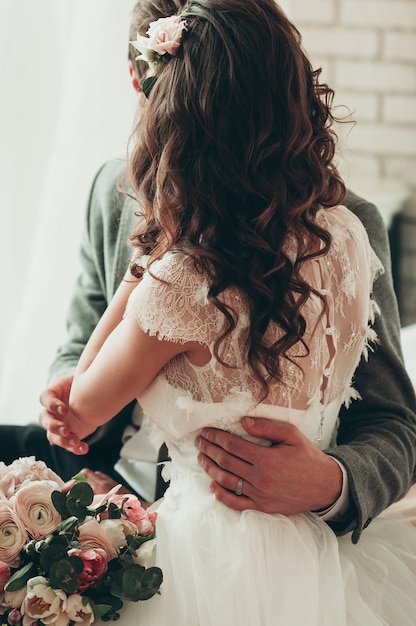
(367, 49)
(381, 14)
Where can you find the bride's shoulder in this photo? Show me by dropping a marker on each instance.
(349, 239)
(342, 224)
(176, 276)
(339, 214)
(173, 267)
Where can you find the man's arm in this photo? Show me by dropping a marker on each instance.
(376, 442)
(104, 255)
(99, 275)
(377, 434)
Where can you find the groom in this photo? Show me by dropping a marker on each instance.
(373, 462)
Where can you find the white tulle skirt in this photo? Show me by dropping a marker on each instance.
(225, 568)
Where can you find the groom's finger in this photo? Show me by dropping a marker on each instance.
(289, 476)
(231, 499)
(226, 470)
(227, 449)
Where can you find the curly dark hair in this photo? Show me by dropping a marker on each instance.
(233, 152)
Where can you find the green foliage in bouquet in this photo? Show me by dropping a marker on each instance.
(122, 578)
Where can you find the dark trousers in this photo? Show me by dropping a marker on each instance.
(19, 441)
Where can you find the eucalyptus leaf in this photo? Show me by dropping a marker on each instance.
(59, 502)
(70, 524)
(135, 541)
(19, 579)
(113, 511)
(51, 553)
(82, 493)
(100, 509)
(76, 509)
(78, 499)
(63, 573)
(134, 583)
(151, 582)
(100, 610)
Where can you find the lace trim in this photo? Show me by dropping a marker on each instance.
(176, 308)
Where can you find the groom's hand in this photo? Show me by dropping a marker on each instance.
(292, 476)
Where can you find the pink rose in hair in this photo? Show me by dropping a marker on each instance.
(165, 35)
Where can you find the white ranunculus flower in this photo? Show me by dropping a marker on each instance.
(145, 555)
(33, 505)
(78, 612)
(44, 603)
(14, 599)
(116, 531)
(13, 535)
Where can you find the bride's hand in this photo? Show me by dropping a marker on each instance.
(54, 413)
(292, 476)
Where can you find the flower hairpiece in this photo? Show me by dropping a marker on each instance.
(163, 41)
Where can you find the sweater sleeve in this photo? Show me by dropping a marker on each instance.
(377, 435)
(98, 278)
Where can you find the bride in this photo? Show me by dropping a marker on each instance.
(249, 294)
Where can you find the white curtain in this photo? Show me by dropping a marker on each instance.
(66, 106)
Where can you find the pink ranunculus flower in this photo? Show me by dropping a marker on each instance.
(44, 603)
(95, 565)
(33, 506)
(92, 537)
(165, 35)
(13, 535)
(24, 470)
(133, 510)
(79, 612)
(4, 574)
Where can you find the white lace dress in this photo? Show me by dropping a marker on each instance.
(222, 567)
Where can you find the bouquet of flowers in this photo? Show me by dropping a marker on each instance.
(70, 558)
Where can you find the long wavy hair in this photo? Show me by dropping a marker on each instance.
(233, 153)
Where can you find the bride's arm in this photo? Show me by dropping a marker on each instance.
(118, 363)
(125, 363)
(112, 316)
